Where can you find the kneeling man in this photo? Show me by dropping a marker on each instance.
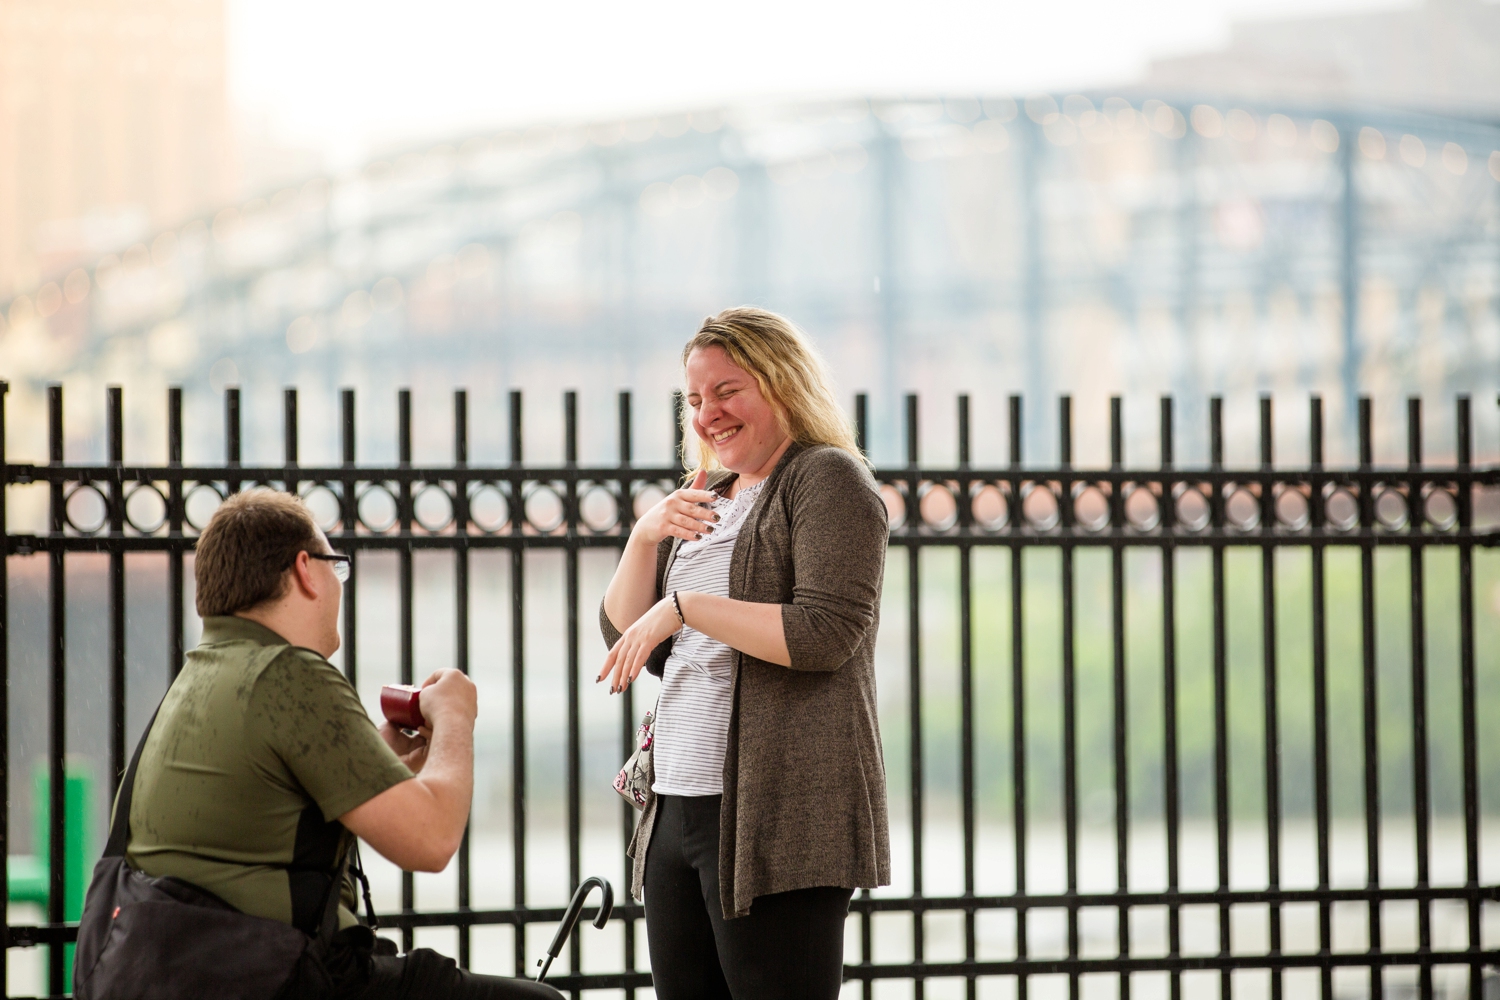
(262, 767)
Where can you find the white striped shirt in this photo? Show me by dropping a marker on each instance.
(692, 713)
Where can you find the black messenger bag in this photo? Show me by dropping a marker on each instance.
(145, 938)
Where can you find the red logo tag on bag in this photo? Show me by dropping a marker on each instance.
(115, 914)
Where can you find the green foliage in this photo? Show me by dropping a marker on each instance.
(1246, 633)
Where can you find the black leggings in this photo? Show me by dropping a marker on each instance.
(790, 945)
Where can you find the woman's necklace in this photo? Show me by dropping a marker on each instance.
(732, 511)
(747, 492)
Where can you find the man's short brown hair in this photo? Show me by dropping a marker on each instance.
(249, 544)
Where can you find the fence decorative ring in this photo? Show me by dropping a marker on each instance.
(489, 510)
(1193, 510)
(599, 509)
(937, 505)
(86, 509)
(1292, 510)
(1241, 507)
(1392, 508)
(1340, 508)
(647, 495)
(145, 508)
(1142, 507)
(1039, 506)
(323, 503)
(895, 506)
(377, 508)
(1090, 507)
(989, 507)
(544, 508)
(1441, 507)
(200, 503)
(432, 508)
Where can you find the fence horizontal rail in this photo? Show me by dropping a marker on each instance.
(403, 507)
(22, 474)
(22, 544)
(23, 935)
(959, 503)
(1191, 963)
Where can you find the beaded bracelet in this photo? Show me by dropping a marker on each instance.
(677, 606)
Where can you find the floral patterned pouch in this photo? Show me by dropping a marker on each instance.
(634, 780)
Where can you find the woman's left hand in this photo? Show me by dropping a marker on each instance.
(626, 660)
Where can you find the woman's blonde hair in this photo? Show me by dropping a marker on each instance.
(790, 372)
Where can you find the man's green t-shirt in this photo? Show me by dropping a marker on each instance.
(257, 750)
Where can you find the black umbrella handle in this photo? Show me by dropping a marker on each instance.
(570, 919)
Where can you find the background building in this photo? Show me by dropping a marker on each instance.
(1439, 56)
(114, 123)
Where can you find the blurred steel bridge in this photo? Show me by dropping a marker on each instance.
(1168, 245)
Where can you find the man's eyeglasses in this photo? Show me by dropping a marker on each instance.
(341, 563)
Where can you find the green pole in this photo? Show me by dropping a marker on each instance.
(78, 847)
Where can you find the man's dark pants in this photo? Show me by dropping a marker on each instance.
(421, 974)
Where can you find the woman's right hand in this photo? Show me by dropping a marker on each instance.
(679, 514)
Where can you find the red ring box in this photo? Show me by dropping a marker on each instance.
(399, 703)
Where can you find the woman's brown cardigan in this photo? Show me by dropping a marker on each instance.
(804, 779)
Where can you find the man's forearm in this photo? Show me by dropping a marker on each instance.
(419, 823)
(448, 776)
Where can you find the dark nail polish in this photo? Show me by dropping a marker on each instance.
(698, 537)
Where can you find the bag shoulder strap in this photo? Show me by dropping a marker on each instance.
(330, 924)
(119, 827)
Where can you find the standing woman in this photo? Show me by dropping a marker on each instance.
(755, 595)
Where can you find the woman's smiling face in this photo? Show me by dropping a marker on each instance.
(730, 413)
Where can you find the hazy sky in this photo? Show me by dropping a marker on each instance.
(347, 76)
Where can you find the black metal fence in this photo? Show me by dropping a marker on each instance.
(516, 508)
